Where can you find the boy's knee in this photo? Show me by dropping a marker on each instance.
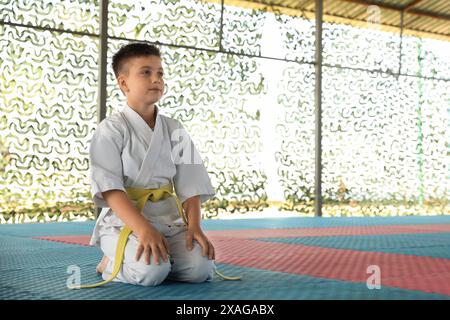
(202, 270)
(151, 275)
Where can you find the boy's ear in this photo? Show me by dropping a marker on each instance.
(122, 83)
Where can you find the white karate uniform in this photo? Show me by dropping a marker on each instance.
(125, 152)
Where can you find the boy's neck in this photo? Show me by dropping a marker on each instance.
(148, 113)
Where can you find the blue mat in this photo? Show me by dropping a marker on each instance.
(37, 270)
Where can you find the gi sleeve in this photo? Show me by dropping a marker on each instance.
(191, 178)
(106, 171)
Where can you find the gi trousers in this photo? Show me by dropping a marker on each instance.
(182, 265)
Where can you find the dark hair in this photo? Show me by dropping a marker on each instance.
(132, 50)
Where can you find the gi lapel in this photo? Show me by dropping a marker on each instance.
(146, 170)
(138, 125)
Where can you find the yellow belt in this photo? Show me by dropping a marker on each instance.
(142, 196)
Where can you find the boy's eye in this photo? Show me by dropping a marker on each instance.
(147, 72)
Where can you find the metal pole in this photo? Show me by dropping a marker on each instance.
(221, 25)
(103, 48)
(401, 44)
(318, 109)
(102, 62)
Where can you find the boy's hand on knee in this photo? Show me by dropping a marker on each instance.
(152, 242)
(207, 247)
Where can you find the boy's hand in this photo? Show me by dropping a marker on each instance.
(197, 234)
(151, 241)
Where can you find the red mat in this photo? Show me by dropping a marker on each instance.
(289, 233)
(82, 240)
(397, 270)
(336, 231)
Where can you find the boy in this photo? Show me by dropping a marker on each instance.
(133, 151)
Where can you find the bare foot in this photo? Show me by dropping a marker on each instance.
(102, 265)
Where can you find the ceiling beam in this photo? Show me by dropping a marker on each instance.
(406, 8)
(335, 18)
(418, 12)
(375, 3)
(430, 14)
(411, 4)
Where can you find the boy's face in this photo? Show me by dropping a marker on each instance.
(144, 84)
